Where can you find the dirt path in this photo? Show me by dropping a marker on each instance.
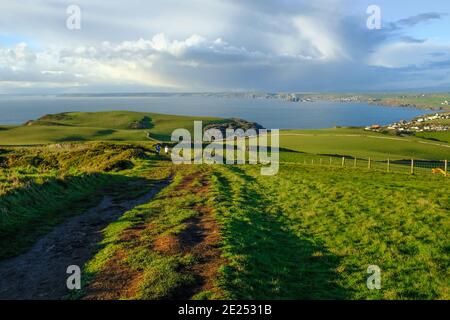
(201, 238)
(40, 273)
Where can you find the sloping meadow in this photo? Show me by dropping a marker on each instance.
(42, 186)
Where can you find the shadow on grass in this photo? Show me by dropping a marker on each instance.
(31, 211)
(71, 138)
(268, 260)
(160, 137)
(105, 132)
(290, 150)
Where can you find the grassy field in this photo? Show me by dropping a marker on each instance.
(307, 233)
(97, 126)
(424, 101)
(435, 101)
(443, 136)
(217, 231)
(315, 231)
(359, 143)
(115, 126)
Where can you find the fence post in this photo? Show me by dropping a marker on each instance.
(354, 163)
(388, 164)
(343, 161)
(320, 161)
(330, 161)
(368, 165)
(312, 161)
(445, 167)
(412, 166)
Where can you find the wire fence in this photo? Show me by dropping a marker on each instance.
(409, 166)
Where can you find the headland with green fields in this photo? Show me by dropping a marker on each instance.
(219, 231)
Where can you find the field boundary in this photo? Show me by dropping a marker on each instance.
(390, 165)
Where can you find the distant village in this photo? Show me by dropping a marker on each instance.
(421, 124)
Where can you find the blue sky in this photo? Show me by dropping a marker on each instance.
(394, 10)
(223, 45)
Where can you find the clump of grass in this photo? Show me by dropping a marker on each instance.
(161, 273)
(100, 156)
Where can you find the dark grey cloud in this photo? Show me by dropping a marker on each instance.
(414, 20)
(410, 39)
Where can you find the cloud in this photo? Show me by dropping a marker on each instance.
(423, 17)
(320, 38)
(399, 54)
(17, 57)
(208, 45)
(139, 61)
(411, 39)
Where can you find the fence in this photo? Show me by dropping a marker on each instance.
(410, 166)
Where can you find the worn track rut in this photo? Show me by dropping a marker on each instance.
(40, 273)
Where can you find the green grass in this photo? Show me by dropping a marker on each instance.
(113, 126)
(32, 211)
(442, 136)
(164, 275)
(306, 233)
(311, 233)
(97, 126)
(41, 187)
(425, 102)
(29, 135)
(357, 142)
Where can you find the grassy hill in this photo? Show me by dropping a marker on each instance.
(135, 126)
(99, 126)
(423, 101)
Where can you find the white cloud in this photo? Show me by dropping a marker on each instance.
(130, 61)
(410, 54)
(16, 58)
(321, 38)
(208, 45)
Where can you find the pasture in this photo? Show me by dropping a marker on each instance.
(225, 231)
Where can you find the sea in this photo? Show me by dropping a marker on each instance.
(270, 113)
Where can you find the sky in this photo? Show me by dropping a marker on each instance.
(223, 45)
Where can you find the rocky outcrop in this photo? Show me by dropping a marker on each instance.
(144, 123)
(233, 123)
